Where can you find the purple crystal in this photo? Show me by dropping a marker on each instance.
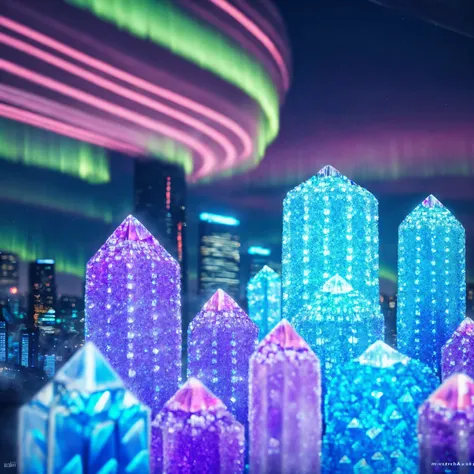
(446, 427)
(221, 339)
(198, 434)
(457, 355)
(285, 405)
(133, 311)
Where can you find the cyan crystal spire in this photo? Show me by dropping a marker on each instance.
(330, 225)
(221, 339)
(338, 324)
(84, 421)
(284, 405)
(133, 311)
(431, 281)
(264, 300)
(371, 413)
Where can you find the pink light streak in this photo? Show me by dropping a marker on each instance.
(224, 121)
(249, 25)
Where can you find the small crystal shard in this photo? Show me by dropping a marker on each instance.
(431, 202)
(329, 170)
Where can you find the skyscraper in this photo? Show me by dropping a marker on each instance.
(28, 351)
(69, 312)
(3, 339)
(42, 298)
(8, 270)
(219, 255)
(258, 257)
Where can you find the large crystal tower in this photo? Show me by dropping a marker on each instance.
(431, 281)
(264, 300)
(371, 413)
(330, 226)
(221, 339)
(133, 311)
(284, 405)
(84, 421)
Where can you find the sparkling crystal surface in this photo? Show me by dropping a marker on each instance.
(221, 339)
(198, 435)
(457, 355)
(338, 324)
(133, 307)
(264, 300)
(371, 413)
(330, 226)
(284, 405)
(446, 428)
(84, 421)
(431, 281)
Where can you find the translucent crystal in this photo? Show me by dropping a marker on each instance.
(84, 421)
(285, 400)
(264, 300)
(198, 434)
(133, 311)
(221, 339)
(329, 170)
(371, 412)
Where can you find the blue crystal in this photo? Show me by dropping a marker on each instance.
(84, 421)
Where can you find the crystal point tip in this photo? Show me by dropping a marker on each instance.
(382, 355)
(220, 301)
(336, 285)
(328, 170)
(431, 202)
(132, 229)
(455, 393)
(284, 335)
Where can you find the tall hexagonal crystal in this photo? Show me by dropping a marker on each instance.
(338, 324)
(84, 421)
(284, 405)
(457, 355)
(133, 311)
(221, 339)
(198, 434)
(431, 281)
(446, 428)
(371, 413)
(264, 300)
(330, 226)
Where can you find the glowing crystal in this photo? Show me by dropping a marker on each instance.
(285, 404)
(133, 311)
(457, 355)
(264, 300)
(84, 421)
(431, 277)
(371, 413)
(446, 427)
(330, 226)
(221, 339)
(199, 436)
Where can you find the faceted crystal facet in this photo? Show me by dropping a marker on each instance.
(371, 412)
(198, 435)
(264, 300)
(338, 324)
(330, 226)
(446, 427)
(285, 400)
(457, 355)
(431, 281)
(221, 339)
(84, 421)
(133, 311)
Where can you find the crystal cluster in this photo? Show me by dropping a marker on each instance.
(457, 355)
(84, 421)
(446, 428)
(133, 311)
(371, 413)
(330, 226)
(431, 281)
(198, 435)
(338, 324)
(264, 300)
(284, 405)
(221, 339)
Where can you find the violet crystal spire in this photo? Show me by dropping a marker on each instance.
(446, 428)
(199, 435)
(457, 355)
(284, 405)
(221, 339)
(133, 311)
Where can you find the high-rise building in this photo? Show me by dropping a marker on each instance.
(28, 350)
(69, 313)
(42, 297)
(219, 255)
(8, 270)
(388, 303)
(258, 257)
(3, 339)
